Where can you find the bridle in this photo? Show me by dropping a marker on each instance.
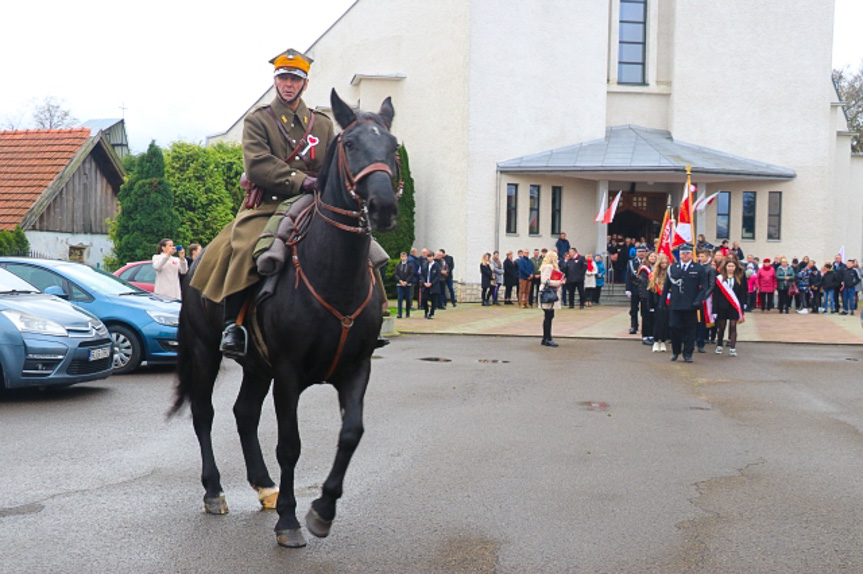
(361, 214)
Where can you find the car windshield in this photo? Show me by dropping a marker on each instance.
(13, 283)
(97, 280)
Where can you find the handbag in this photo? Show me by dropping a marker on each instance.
(793, 290)
(547, 295)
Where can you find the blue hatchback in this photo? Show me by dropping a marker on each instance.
(143, 326)
(45, 341)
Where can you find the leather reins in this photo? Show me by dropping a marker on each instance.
(303, 220)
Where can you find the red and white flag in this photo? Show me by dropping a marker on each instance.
(601, 215)
(608, 215)
(683, 231)
(665, 237)
(702, 202)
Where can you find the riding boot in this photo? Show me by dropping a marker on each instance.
(234, 339)
(379, 257)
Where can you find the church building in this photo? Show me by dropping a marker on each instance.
(521, 118)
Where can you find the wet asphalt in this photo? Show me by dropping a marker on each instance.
(598, 456)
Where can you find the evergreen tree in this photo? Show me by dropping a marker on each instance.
(402, 237)
(14, 242)
(201, 200)
(146, 210)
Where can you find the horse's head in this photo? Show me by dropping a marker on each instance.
(368, 160)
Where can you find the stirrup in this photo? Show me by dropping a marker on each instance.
(231, 352)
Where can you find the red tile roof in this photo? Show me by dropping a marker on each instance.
(29, 162)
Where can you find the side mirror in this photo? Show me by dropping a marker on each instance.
(56, 290)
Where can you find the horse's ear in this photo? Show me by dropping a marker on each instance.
(387, 112)
(343, 112)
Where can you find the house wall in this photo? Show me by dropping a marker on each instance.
(55, 245)
(84, 203)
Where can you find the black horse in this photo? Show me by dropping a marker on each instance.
(320, 325)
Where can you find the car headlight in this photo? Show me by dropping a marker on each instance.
(27, 323)
(169, 319)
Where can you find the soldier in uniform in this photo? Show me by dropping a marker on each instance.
(685, 283)
(284, 143)
(632, 267)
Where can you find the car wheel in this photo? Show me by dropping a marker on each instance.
(128, 351)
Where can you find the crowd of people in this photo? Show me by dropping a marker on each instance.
(725, 284)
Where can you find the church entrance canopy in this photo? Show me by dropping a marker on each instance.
(634, 153)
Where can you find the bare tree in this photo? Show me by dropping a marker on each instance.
(849, 84)
(13, 121)
(50, 114)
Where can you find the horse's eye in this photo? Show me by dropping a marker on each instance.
(349, 144)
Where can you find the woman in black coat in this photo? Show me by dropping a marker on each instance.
(487, 274)
(732, 279)
(510, 277)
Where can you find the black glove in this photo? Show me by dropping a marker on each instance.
(309, 185)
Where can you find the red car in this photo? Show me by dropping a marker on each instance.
(138, 273)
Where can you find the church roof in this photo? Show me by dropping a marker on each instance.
(629, 150)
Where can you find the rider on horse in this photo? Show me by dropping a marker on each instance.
(284, 143)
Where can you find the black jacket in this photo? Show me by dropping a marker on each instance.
(849, 278)
(686, 288)
(435, 288)
(405, 272)
(575, 269)
(487, 275)
(510, 273)
(721, 303)
(632, 275)
(449, 263)
(830, 281)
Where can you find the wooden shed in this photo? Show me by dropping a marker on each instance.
(61, 187)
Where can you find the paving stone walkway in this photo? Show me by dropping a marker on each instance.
(612, 322)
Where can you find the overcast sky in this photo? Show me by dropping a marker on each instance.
(184, 70)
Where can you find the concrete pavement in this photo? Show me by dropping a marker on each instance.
(612, 322)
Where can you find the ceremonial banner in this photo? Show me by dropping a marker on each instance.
(683, 230)
(665, 236)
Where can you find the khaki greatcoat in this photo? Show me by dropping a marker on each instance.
(228, 266)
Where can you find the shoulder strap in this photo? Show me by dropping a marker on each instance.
(297, 145)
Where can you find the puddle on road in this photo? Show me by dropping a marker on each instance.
(494, 361)
(436, 359)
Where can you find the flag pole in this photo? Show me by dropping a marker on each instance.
(689, 202)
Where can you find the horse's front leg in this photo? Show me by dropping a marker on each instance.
(352, 389)
(286, 395)
(247, 411)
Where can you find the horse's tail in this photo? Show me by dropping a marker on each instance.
(184, 386)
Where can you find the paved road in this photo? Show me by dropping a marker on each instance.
(595, 457)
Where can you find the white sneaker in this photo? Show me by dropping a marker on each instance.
(719, 350)
(803, 311)
(656, 347)
(732, 351)
(662, 348)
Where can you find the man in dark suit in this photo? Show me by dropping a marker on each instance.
(430, 282)
(405, 273)
(632, 267)
(685, 283)
(446, 282)
(576, 268)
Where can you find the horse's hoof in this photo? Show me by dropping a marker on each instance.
(216, 505)
(292, 538)
(317, 525)
(268, 497)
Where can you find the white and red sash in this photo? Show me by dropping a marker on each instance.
(731, 296)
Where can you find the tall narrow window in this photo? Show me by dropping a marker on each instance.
(774, 215)
(556, 193)
(748, 229)
(533, 219)
(512, 208)
(631, 46)
(723, 215)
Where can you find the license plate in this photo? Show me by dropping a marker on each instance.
(100, 353)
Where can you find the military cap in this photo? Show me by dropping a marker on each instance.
(641, 247)
(292, 62)
(686, 248)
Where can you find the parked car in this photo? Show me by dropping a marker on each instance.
(139, 273)
(46, 341)
(143, 326)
